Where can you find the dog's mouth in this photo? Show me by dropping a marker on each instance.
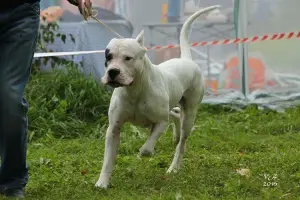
(116, 84)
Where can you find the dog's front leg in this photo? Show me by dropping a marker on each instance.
(148, 148)
(112, 142)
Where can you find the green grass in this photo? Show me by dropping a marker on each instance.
(67, 142)
(269, 143)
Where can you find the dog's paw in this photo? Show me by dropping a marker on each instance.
(172, 170)
(100, 184)
(146, 152)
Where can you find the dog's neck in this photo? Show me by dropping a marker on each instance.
(142, 78)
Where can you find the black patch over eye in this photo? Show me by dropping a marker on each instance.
(108, 55)
(128, 58)
(106, 52)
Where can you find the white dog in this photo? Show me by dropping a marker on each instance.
(147, 95)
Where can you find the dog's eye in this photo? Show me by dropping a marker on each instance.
(128, 58)
(109, 57)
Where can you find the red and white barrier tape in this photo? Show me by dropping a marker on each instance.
(272, 37)
(276, 36)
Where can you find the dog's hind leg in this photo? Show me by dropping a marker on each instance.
(148, 148)
(175, 116)
(188, 116)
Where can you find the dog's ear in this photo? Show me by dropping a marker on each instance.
(142, 52)
(140, 38)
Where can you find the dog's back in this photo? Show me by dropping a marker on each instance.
(180, 70)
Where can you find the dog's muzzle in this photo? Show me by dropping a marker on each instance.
(113, 81)
(112, 78)
(113, 73)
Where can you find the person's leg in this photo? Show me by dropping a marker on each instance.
(18, 37)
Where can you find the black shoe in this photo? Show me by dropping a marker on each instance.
(18, 192)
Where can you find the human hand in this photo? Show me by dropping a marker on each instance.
(84, 6)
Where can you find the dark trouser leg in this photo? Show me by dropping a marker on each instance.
(18, 36)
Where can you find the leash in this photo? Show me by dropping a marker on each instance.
(90, 12)
(94, 16)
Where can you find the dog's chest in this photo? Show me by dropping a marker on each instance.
(145, 114)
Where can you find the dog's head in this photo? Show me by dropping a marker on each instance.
(123, 61)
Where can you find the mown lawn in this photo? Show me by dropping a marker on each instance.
(66, 143)
(264, 142)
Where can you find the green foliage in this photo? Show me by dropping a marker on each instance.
(265, 142)
(63, 103)
(49, 32)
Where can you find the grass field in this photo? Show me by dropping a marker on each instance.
(223, 141)
(66, 147)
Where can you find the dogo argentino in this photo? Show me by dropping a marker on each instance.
(148, 95)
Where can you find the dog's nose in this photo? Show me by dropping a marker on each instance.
(113, 73)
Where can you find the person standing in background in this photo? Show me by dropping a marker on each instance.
(19, 25)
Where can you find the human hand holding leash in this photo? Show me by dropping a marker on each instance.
(84, 6)
(86, 9)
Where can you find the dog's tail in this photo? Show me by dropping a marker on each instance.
(184, 45)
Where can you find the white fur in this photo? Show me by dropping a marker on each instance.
(148, 95)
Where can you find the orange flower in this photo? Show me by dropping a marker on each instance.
(51, 14)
